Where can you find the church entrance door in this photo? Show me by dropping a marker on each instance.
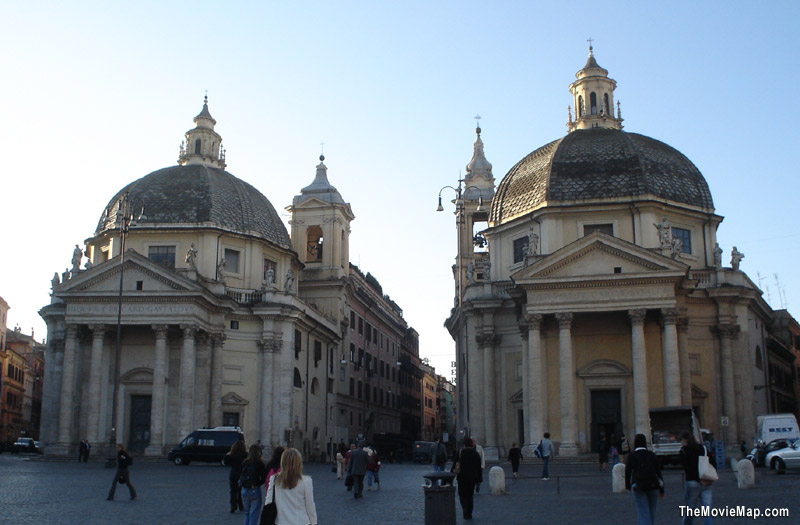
(606, 416)
(139, 436)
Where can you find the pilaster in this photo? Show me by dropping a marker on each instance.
(159, 395)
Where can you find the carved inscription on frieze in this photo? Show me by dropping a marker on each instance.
(129, 309)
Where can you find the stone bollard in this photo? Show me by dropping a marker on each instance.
(497, 481)
(618, 478)
(746, 474)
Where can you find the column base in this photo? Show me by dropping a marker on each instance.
(568, 449)
(491, 454)
(59, 449)
(154, 450)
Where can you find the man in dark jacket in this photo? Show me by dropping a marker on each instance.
(643, 477)
(122, 476)
(357, 467)
(469, 474)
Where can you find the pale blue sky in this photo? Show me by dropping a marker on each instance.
(97, 94)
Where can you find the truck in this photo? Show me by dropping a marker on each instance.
(667, 424)
(776, 426)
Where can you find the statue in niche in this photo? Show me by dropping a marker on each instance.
(664, 233)
(471, 273)
(736, 258)
(269, 279)
(191, 257)
(55, 281)
(717, 256)
(221, 270)
(289, 283)
(77, 255)
(486, 265)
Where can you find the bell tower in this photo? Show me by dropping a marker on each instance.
(593, 98)
(320, 222)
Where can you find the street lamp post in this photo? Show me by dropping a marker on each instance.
(460, 225)
(124, 222)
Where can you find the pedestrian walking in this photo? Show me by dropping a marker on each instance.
(292, 492)
(695, 490)
(514, 456)
(339, 464)
(643, 478)
(479, 450)
(253, 475)
(469, 472)
(602, 452)
(274, 464)
(83, 450)
(122, 475)
(373, 467)
(234, 459)
(357, 468)
(547, 451)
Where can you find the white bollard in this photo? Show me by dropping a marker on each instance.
(746, 474)
(618, 478)
(497, 481)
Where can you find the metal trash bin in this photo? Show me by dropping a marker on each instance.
(440, 500)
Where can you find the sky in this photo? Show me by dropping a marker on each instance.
(97, 94)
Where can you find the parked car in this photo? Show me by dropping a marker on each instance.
(205, 444)
(759, 453)
(24, 444)
(785, 458)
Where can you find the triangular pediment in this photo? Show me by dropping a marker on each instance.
(232, 398)
(599, 256)
(104, 278)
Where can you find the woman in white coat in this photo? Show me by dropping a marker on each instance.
(294, 493)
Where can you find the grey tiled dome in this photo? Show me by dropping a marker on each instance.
(199, 196)
(596, 164)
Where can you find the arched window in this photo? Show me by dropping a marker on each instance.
(313, 244)
(315, 387)
(298, 381)
(593, 103)
(606, 105)
(197, 144)
(580, 106)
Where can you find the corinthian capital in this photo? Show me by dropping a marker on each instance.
(637, 316)
(669, 315)
(532, 321)
(564, 319)
(726, 330)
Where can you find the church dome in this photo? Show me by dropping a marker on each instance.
(596, 165)
(198, 196)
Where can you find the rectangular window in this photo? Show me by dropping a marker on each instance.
(603, 228)
(520, 249)
(231, 260)
(298, 344)
(685, 237)
(352, 320)
(694, 364)
(317, 353)
(163, 255)
(230, 419)
(352, 353)
(360, 326)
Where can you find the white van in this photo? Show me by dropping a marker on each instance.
(775, 426)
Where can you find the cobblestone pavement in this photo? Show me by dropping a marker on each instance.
(55, 492)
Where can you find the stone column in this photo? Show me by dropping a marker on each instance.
(215, 401)
(566, 377)
(475, 376)
(725, 332)
(159, 394)
(683, 358)
(526, 381)
(268, 400)
(284, 378)
(671, 361)
(486, 341)
(67, 409)
(536, 381)
(185, 422)
(95, 372)
(641, 400)
(54, 360)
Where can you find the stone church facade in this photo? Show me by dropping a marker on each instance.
(591, 288)
(224, 319)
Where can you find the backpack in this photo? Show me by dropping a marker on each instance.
(538, 450)
(441, 454)
(249, 476)
(645, 475)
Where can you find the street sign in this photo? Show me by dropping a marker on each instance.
(724, 421)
